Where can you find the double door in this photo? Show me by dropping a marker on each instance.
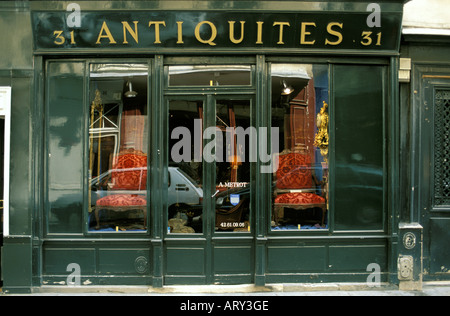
(211, 157)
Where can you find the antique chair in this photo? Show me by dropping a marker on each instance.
(129, 173)
(296, 186)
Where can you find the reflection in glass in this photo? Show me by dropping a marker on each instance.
(217, 75)
(300, 111)
(185, 194)
(65, 146)
(118, 145)
(232, 197)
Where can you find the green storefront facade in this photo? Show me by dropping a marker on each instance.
(160, 143)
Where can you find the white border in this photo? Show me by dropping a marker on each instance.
(5, 113)
(425, 31)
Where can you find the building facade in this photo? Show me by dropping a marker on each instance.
(158, 143)
(424, 98)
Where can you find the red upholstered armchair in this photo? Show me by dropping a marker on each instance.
(128, 174)
(296, 186)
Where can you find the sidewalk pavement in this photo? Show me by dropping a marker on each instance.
(278, 290)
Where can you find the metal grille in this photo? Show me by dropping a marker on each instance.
(442, 148)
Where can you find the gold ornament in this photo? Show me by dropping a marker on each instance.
(322, 138)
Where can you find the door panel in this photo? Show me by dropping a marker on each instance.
(186, 178)
(435, 176)
(233, 165)
(209, 192)
(432, 202)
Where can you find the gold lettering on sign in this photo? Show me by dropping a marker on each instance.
(281, 25)
(232, 39)
(59, 40)
(213, 36)
(330, 31)
(72, 38)
(157, 24)
(180, 32)
(304, 33)
(259, 34)
(107, 34)
(134, 34)
(323, 35)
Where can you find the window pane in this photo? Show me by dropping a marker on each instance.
(65, 146)
(118, 145)
(185, 193)
(233, 170)
(300, 112)
(228, 75)
(359, 98)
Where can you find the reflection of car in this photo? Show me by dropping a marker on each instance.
(183, 191)
(184, 195)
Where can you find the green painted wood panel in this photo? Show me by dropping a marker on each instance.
(356, 258)
(233, 259)
(296, 259)
(439, 261)
(56, 260)
(185, 260)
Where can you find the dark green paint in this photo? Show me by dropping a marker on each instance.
(430, 71)
(37, 253)
(427, 77)
(215, 34)
(358, 150)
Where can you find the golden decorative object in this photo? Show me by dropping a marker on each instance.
(322, 138)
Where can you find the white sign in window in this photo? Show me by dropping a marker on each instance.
(5, 114)
(5, 100)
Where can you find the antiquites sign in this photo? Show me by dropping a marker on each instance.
(249, 31)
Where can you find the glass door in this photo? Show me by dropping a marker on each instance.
(209, 237)
(211, 149)
(186, 168)
(235, 152)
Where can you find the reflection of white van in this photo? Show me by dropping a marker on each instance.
(183, 192)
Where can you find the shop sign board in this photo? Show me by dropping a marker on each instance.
(368, 31)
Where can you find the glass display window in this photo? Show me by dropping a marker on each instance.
(300, 195)
(118, 147)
